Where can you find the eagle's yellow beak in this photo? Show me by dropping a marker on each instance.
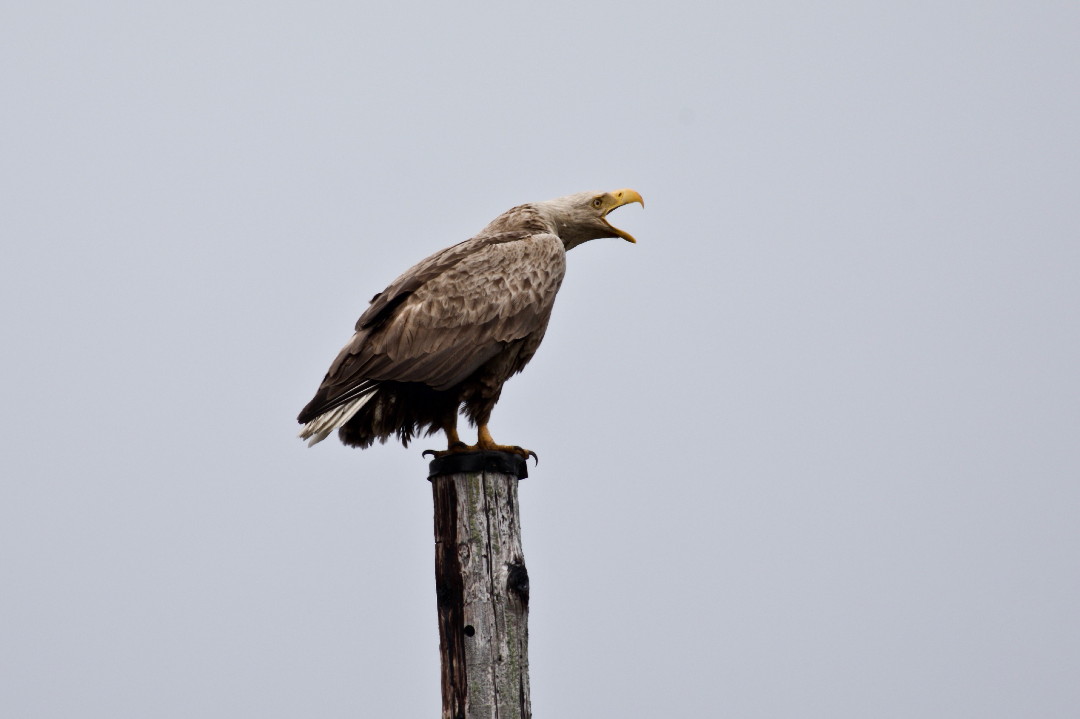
(617, 199)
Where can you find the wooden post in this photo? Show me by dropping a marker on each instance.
(481, 586)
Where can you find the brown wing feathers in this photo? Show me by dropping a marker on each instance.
(445, 317)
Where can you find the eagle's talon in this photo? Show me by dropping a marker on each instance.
(454, 447)
(525, 453)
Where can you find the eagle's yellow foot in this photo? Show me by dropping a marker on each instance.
(454, 445)
(523, 453)
(484, 443)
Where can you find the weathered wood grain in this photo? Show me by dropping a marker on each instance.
(482, 590)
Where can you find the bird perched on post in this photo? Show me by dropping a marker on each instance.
(448, 333)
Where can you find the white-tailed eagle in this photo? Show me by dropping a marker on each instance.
(448, 333)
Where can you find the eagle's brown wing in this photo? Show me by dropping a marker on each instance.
(447, 316)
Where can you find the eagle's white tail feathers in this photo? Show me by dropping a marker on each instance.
(320, 428)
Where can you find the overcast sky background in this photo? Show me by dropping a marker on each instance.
(811, 448)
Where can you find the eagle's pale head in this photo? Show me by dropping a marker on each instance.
(583, 217)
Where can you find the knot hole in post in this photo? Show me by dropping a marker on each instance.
(517, 581)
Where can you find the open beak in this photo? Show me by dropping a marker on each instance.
(618, 198)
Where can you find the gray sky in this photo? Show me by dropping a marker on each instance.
(811, 448)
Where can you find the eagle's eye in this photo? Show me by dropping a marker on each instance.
(597, 202)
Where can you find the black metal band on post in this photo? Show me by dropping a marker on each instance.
(469, 462)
